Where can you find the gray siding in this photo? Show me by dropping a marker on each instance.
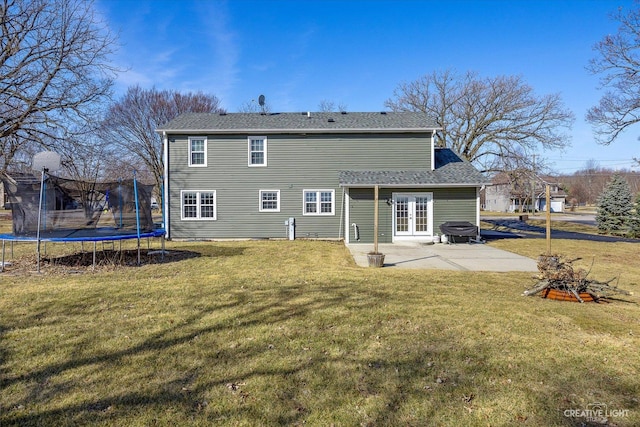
(361, 213)
(454, 204)
(294, 163)
(449, 204)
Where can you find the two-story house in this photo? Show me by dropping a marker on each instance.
(513, 192)
(245, 175)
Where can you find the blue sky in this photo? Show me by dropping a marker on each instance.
(356, 52)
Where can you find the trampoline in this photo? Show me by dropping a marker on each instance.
(48, 208)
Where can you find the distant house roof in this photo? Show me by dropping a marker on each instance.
(299, 122)
(500, 179)
(450, 170)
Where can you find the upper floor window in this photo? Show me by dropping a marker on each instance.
(197, 151)
(257, 151)
(198, 204)
(319, 202)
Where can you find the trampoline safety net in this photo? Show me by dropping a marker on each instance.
(77, 207)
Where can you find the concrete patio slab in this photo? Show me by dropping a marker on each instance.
(461, 257)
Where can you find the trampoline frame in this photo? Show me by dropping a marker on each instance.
(159, 232)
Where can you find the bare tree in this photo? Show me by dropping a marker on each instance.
(619, 64)
(132, 121)
(54, 71)
(588, 183)
(327, 106)
(254, 107)
(84, 160)
(486, 120)
(578, 194)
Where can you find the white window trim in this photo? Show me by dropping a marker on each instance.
(318, 202)
(199, 218)
(205, 152)
(251, 165)
(261, 209)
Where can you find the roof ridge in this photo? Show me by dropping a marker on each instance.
(301, 122)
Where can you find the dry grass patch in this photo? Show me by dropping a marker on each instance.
(291, 333)
(603, 260)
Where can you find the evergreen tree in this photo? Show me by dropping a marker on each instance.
(634, 228)
(615, 207)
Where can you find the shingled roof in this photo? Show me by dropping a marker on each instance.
(299, 122)
(450, 170)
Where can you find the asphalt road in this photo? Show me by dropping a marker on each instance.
(521, 229)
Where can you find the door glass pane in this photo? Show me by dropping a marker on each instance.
(402, 214)
(421, 220)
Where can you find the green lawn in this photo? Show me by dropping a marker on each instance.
(292, 333)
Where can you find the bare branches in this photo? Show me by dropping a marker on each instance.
(618, 64)
(131, 122)
(253, 106)
(54, 70)
(486, 120)
(557, 273)
(328, 106)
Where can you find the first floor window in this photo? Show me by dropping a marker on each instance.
(269, 200)
(198, 204)
(319, 202)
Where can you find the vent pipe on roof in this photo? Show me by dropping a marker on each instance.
(309, 114)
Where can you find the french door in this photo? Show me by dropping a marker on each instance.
(412, 215)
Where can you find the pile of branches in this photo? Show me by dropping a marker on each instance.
(559, 273)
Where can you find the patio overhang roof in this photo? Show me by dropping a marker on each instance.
(408, 179)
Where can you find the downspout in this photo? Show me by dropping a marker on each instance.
(166, 217)
(478, 190)
(341, 216)
(433, 150)
(347, 216)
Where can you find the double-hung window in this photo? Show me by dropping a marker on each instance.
(197, 151)
(319, 202)
(257, 151)
(269, 201)
(197, 205)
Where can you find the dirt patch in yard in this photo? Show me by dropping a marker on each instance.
(82, 262)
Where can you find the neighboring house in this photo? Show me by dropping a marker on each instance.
(512, 193)
(557, 196)
(242, 175)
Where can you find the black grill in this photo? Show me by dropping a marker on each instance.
(459, 229)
